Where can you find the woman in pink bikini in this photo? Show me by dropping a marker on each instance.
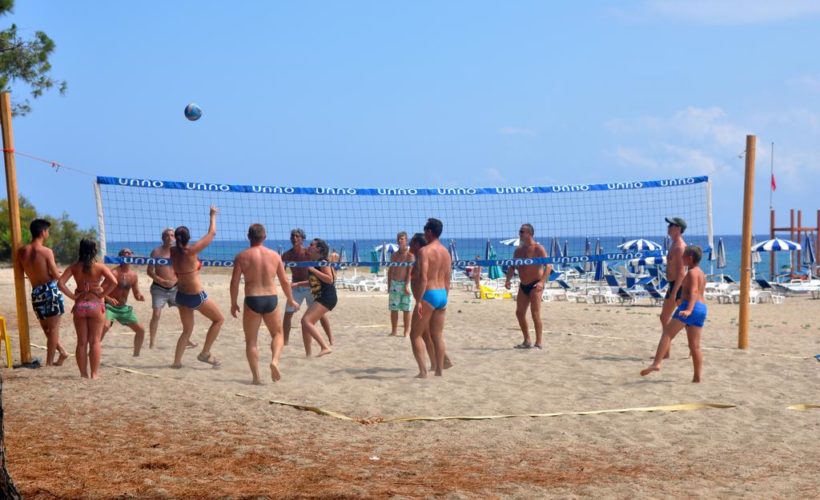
(94, 282)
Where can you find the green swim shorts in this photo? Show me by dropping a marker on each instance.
(122, 314)
(398, 301)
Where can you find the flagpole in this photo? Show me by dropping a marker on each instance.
(771, 177)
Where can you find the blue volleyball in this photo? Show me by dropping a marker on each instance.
(193, 112)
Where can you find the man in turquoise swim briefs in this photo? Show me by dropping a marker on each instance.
(690, 314)
(434, 268)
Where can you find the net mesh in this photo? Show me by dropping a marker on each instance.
(133, 213)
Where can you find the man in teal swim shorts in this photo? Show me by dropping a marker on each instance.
(434, 269)
(116, 307)
(690, 314)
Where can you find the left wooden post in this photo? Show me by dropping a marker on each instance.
(14, 224)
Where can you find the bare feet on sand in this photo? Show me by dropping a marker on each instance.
(324, 352)
(274, 373)
(61, 359)
(647, 371)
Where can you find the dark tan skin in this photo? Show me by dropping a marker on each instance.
(127, 282)
(37, 262)
(299, 276)
(163, 276)
(527, 249)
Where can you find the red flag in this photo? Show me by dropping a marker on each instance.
(774, 184)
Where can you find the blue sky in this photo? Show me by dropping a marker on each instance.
(428, 94)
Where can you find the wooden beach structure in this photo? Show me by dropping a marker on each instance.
(796, 231)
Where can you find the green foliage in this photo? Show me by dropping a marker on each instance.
(25, 61)
(64, 234)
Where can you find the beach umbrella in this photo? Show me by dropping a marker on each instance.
(600, 266)
(387, 247)
(512, 242)
(494, 272)
(453, 252)
(721, 254)
(556, 248)
(639, 245)
(587, 252)
(374, 261)
(566, 248)
(776, 245)
(756, 258)
(809, 258)
(343, 255)
(383, 257)
(354, 254)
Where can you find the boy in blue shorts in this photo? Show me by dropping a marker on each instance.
(690, 314)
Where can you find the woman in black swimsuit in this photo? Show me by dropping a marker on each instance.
(322, 287)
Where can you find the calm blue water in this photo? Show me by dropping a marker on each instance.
(469, 248)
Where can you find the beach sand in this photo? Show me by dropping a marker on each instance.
(200, 432)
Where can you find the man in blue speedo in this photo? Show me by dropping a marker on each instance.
(434, 268)
(690, 314)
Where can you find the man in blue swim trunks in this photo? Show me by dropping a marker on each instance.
(37, 262)
(690, 314)
(434, 269)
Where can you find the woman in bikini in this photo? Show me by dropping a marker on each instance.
(94, 282)
(190, 294)
(323, 289)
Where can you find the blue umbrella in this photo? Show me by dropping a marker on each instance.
(721, 254)
(639, 245)
(556, 248)
(354, 254)
(343, 255)
(809, 259)
(566, 248)
(495, 271)
(600, 266)
(587, 252)
(776, 245)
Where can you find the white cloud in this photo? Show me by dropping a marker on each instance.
(732, 12)
(516, 131)
(493, 175)
(809, 83)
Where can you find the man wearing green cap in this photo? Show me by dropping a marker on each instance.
(675, 271)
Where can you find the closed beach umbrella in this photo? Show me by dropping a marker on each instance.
(383, 257)
(600, 266)
(453, 252)
(721, 255)
(354, 254)
(756, 258)
(587, 252)
(512, 242)
(494, 272)
(343, 255)
(776, 245)
(556, 249)
(639, 245)
(374, 261)
(809, 258)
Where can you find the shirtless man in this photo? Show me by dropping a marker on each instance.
(532, 278)
(690, 314)
(416, 243)
(299, 278)
(434, 269)
(475, 274)
(164, 286)
(675, 270)
(398, 286)
(260, 266)
(37, 261)
(115, 303)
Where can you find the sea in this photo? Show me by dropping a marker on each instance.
(470, 248)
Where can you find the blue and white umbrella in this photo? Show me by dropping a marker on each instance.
(809, 259)
(756, 258)
(776, 245)
(639, 245)
(512, 242)
(648, 261)
(382, 249)
(721, 255)
(387, 247)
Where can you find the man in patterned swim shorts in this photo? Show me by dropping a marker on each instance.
(398, 286)
(37, 261)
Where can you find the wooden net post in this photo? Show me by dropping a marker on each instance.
(746, 244)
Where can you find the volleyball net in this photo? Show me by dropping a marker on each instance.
(360, 224)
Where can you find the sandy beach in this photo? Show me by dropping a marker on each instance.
(146, 430)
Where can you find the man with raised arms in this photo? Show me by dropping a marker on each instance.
(260, 266)
(301, 288)
(675, 270)
(532, 279)
(398, 286)
(116, 307)
(37, 261)
(434, 270)
(164, 285)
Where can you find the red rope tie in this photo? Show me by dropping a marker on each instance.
(8, 150)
